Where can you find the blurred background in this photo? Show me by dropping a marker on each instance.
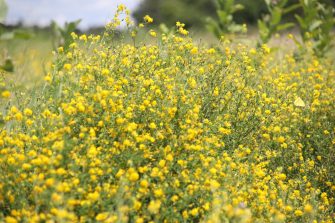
(31, 29)
(40, 13)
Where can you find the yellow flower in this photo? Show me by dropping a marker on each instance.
(308, 208)
(134, 176)
(183, 31)
(194, 50)
(105, 72)
(194, 211)
(83, 37)
(154, 206)
(60, 49)
(214, 184)
(152, 125)
(48, 78)
(137, 205)
(102, 216)
(280, 139)
(93, 196)
(158, 192)
(266, 136)
(28, 112)
(139, 220)
(10, 219)
(5, 94)
(144, 183)
(224, 131)
(67, 66)
(152, 33)
(121, 8)
(298, 213)
(148, 19)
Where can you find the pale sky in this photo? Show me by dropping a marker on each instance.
(41, 12)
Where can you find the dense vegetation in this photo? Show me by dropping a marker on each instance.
(194, 12)
(139, 126)
(169, 130)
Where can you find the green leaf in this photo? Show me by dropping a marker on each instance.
(219, 3)
(71, 27)
(3, 10)
(282, 3)
(307, 2)
(164, 29)
(268, 2)
(8, 65)
(229, 5)
(285, 26)
(213, 27)
(301, 22)
(291, 8)
(2, 122)
(276, 16)
(263, 30)
(316, 24)
(223, 16)
(262, 26)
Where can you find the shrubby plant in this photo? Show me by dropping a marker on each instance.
(272, 22)
(168, 130)
(62, 35)
(316, 25)
(225, 23)
(316, 22)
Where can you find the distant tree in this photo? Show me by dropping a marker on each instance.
(190, 12)
(195, 12)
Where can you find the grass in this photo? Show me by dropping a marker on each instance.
(32, 58)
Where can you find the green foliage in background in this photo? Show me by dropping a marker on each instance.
(190, 12)
(272, 22)
(62, 35)
(3, 10)
(7, 64)
(252, 11)
(316, 24)
(225, 22)
(8, 35)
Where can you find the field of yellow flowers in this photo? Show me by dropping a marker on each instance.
(170, 131)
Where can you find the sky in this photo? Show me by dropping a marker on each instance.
(41, 12)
